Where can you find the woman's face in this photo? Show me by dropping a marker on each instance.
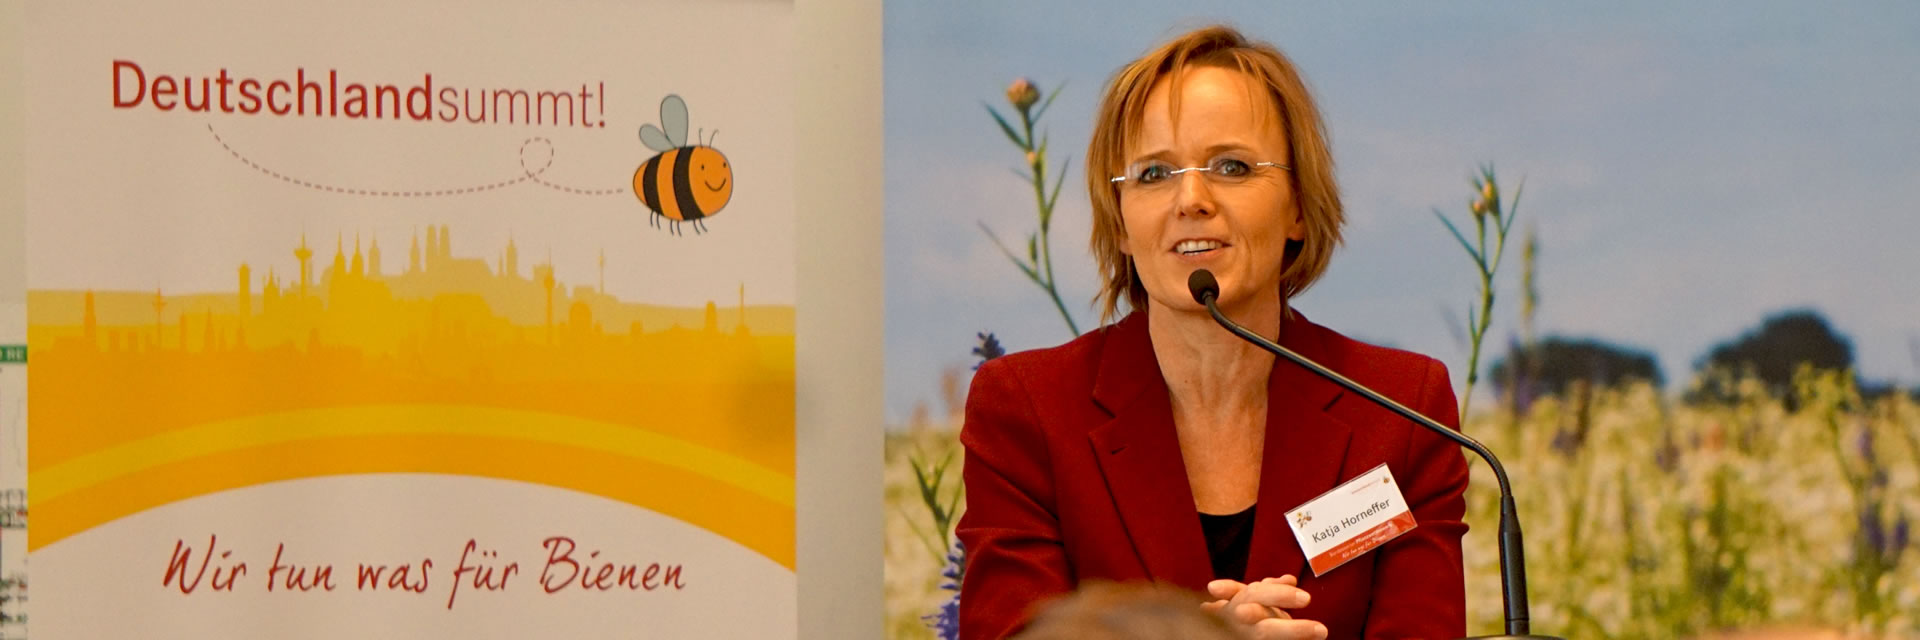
(1234, 220)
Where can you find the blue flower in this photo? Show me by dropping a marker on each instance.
(956, 567)
(1873, 533)
(945, 623)
(987, 349)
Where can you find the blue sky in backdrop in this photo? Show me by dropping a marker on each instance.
(1690, 168)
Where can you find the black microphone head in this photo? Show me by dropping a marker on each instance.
(1202, 285)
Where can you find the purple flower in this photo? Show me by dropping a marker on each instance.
(945, 623)
(956, 567)
(987, 348)
(1872, 532)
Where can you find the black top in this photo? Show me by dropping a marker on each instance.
(1229, 538)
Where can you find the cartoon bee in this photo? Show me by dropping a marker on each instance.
(682, 183)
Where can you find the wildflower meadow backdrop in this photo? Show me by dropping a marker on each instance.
(1665, 251)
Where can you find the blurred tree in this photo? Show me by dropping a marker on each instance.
(1552, 364)
(1771, 353)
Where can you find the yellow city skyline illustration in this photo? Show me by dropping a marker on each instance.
(450, 364)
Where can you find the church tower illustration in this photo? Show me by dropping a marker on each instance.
(246, 290)
(373, 258)
(512, 267)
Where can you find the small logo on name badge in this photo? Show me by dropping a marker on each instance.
(1301, 519)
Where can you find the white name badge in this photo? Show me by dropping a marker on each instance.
(1351, 519)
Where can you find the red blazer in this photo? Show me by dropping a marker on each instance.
(1073, 473)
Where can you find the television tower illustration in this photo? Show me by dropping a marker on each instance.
(306, 264)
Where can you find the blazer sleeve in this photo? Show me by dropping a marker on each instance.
(1015, 557)
(1419, 583)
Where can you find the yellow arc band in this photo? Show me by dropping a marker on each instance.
(402, 421)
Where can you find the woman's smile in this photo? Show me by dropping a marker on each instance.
(1199, 251)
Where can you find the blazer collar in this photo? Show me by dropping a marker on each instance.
(1305, 449)
(1139, 455)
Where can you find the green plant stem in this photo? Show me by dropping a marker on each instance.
(1038, 263)
(1865, 577)
(930, 480)
(921, 533)
(1054, 292)
(1486, 204)
(1478, 332)
(1039, 172)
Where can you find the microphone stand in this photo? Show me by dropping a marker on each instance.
(1513, 564)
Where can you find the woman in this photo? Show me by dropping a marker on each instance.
(1162, 447)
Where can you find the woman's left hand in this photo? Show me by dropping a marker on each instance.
(1262, 607)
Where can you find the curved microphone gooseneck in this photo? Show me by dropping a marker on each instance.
(1513, 564)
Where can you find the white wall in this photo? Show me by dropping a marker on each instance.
(840, 366)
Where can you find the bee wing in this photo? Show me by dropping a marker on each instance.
(673, 118)
(655, 139)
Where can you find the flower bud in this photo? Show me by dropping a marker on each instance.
(1022, 94)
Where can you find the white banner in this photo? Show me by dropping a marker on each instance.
(422, 320)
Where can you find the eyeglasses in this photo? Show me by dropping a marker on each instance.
(1152, 175)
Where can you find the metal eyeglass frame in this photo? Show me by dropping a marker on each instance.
(1205, 169)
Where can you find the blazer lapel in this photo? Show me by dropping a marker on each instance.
(1306, 447)
(1139, 455)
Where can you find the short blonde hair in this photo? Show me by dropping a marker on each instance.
(1129, 611)
(1122, 112)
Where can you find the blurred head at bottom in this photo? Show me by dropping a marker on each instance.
(1128, 611)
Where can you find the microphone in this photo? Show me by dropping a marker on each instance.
(1513, 564)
